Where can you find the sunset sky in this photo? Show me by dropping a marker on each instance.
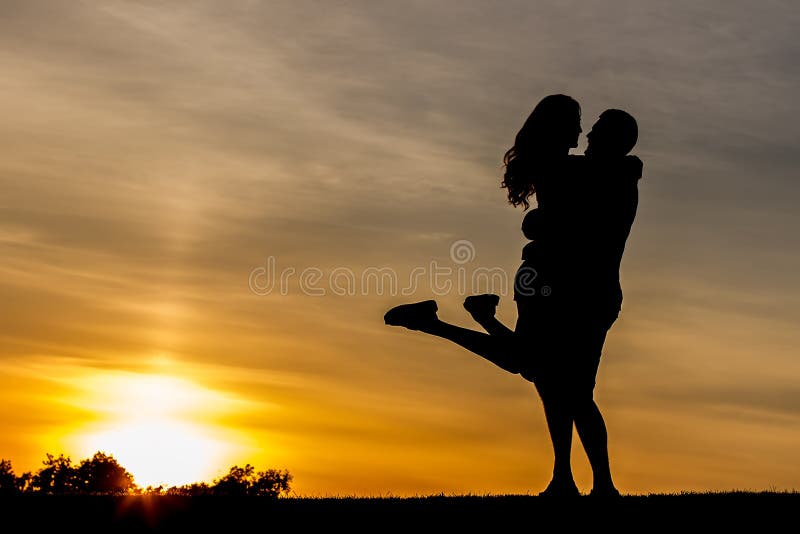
(161, 159)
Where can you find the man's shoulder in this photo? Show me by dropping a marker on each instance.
(632, 167)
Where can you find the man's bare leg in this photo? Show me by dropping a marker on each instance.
(559, 423)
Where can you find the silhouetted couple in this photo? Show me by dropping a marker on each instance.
(567, 289)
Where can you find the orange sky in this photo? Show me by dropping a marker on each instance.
(156, 155)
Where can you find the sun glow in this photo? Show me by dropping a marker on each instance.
(161, 428)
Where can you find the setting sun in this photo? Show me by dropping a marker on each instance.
(156, 426)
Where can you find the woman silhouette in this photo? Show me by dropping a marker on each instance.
(548, 345)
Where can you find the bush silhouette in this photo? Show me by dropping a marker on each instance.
(189, 490)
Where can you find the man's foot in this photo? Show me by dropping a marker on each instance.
(561, 490)
(414, 316)
(605, 493)
(481, 306)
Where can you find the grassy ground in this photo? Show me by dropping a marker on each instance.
(683, 512)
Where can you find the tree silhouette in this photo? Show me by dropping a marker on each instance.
(25, 482)
(57, 477)
(102, 475)
(8, 481)
(237, 482)
(272, 483)
(245, 481)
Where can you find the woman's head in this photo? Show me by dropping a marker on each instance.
(551, 130)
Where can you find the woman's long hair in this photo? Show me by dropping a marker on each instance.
(547, 135)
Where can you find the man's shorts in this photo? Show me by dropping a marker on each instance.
(562, 347)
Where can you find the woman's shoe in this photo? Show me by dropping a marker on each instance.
(412, 316)
(482, 306)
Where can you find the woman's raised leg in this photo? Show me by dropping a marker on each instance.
(501, 350)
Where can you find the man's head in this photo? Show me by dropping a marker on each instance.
(613, 135)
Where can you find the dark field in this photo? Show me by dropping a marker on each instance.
(684, 512)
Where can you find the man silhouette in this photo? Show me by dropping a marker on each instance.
(588, 231)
